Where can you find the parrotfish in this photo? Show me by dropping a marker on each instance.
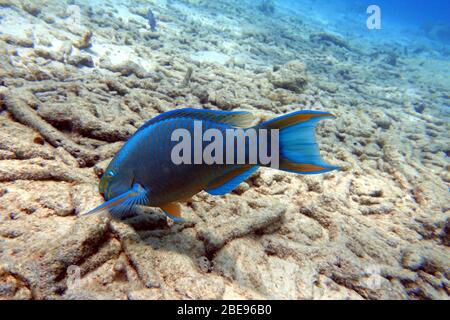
(159, 167)
(151, 20)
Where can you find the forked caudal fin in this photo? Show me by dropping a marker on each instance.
(299, 151)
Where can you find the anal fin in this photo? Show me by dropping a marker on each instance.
(230, 180)
(173, 211)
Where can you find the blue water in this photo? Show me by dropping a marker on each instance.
(414, 13)
(405, 11)
(401, 20)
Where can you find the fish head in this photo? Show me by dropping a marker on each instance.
(114, 182)
(106, 181)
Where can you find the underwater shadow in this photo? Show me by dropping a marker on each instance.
(153, 229)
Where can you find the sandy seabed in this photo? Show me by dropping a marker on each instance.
(76, 80)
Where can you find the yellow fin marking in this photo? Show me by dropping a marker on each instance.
(172, 208)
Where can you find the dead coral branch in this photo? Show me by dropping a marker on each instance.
(17, 102)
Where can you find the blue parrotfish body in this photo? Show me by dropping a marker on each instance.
(144, 172)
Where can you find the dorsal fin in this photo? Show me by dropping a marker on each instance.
(296, 118)
(240, 119)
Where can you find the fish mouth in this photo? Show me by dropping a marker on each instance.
(102, 186)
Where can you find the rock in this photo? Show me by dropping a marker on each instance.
(126, 68)
(149, 35)
(218, 237)
(378, 228)
(328, 86)
(21, 42)
(81, 60)
(48, 18)
(330, 38)
(12, 287)
(84, 42)
(291, 76)
(31, 8)
(244, 261)
(383, 122)
(146, 294)
(211, 288)
(39, 169)
(283, 96)
(210, 57)
(59, 201)
(50, 55)
(7, 3)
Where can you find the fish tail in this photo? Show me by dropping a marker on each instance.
(298, 149)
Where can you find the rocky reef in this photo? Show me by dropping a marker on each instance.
(76, 80)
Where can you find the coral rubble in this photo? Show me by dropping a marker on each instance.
(72, 92)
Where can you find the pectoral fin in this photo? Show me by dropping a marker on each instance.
(122, 205)
(173, 211)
